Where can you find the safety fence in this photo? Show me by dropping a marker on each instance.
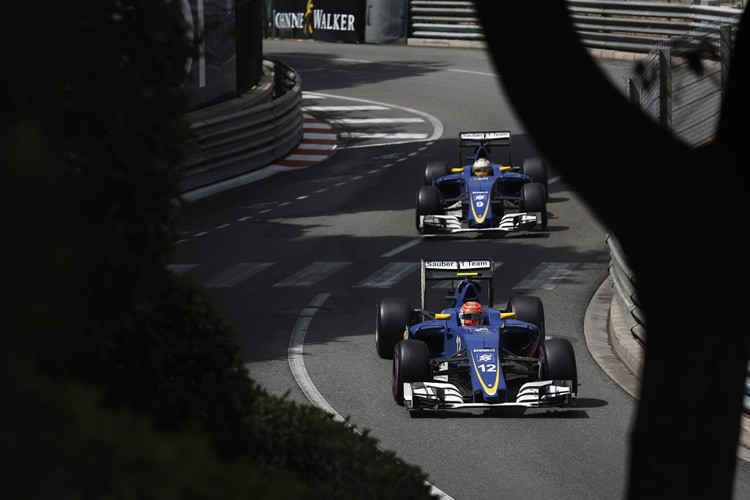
(616, 25)
(624, 283)
(683, 92)
(248, 133)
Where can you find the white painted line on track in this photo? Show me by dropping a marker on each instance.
(313, 135)
(437, 125)
(302, 197)
(242, 180)
(295, 356)
(546, 275)
(314, 273)
(412, 154)
(388, 276)
(483, 73)
(237, 274)
(356, 177)
(369, 107)
(285, 203)
(381, 135)
(375, 121)
(553, 180)
(346, 59)
(312, 146)
(265, 211)
(321, 190)
(198, 235)
(310, 95)
(388, 165)
(243, 219)
(222, 226)
(296, 360)
(403, 247)
(298, 157)
(317, 125)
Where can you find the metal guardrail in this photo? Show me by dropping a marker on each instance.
(624, 283)
(250, 138)
(616, 25)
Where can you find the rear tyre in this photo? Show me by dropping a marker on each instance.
(536, 169)
(429, 202)
(560, 362)
(411, 363)
(530, 310)
(392, 318)
(434, 170)
(533, 199)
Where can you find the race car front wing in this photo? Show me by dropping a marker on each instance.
(521, 221)
(445, 396)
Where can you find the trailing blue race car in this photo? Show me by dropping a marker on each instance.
(482, 195)
(470, 355)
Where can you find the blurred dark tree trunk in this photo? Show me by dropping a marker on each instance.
(250, 19)
(678, 213)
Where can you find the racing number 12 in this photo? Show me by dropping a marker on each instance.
(488, 367)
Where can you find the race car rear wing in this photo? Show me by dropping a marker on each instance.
(484, 140)
(445, 270)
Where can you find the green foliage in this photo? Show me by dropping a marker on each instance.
(92, 140)
(63, 445)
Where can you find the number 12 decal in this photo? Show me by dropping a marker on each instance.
(487, 367)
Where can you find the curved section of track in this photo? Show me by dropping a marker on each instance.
(344, 229)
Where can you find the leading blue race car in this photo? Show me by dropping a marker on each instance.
(471, 355)
(482, 195)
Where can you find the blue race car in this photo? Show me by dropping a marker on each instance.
(482, 195)
(470, 355)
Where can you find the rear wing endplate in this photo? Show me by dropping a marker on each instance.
(441, 270)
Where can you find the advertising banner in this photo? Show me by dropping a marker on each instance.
(327, 20)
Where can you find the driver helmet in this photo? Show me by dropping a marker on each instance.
(482, 167)
(470, 314)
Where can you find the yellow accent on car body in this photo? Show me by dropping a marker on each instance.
(504, 168)
(442, 316)
(467, 274)
(489, 390)
(457, 170)
(507, 315)
(478, 218)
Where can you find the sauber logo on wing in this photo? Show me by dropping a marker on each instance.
(444, 265)
(484, 357)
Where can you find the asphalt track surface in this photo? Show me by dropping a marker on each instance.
(345, 227)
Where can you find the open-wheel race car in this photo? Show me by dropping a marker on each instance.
(470, 355)
(480, 194)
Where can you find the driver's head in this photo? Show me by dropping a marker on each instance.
(482, 167)
(470, 314)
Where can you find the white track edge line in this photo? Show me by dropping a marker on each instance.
(295, 356)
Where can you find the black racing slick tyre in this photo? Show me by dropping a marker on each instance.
(429, 202)
(560, 362)
(392, 319)
(434, 170)
(534, 199)
(528, 309)
(411, 363)
(536, 169)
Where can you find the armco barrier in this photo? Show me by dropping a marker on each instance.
(260, 132)
(624, 284)
(613, 25)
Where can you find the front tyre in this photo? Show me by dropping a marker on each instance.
(411, 363)
(429, 202)
(536, 169)
(392, 319)
(560, 362)
(533, 199)
(433, 171)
